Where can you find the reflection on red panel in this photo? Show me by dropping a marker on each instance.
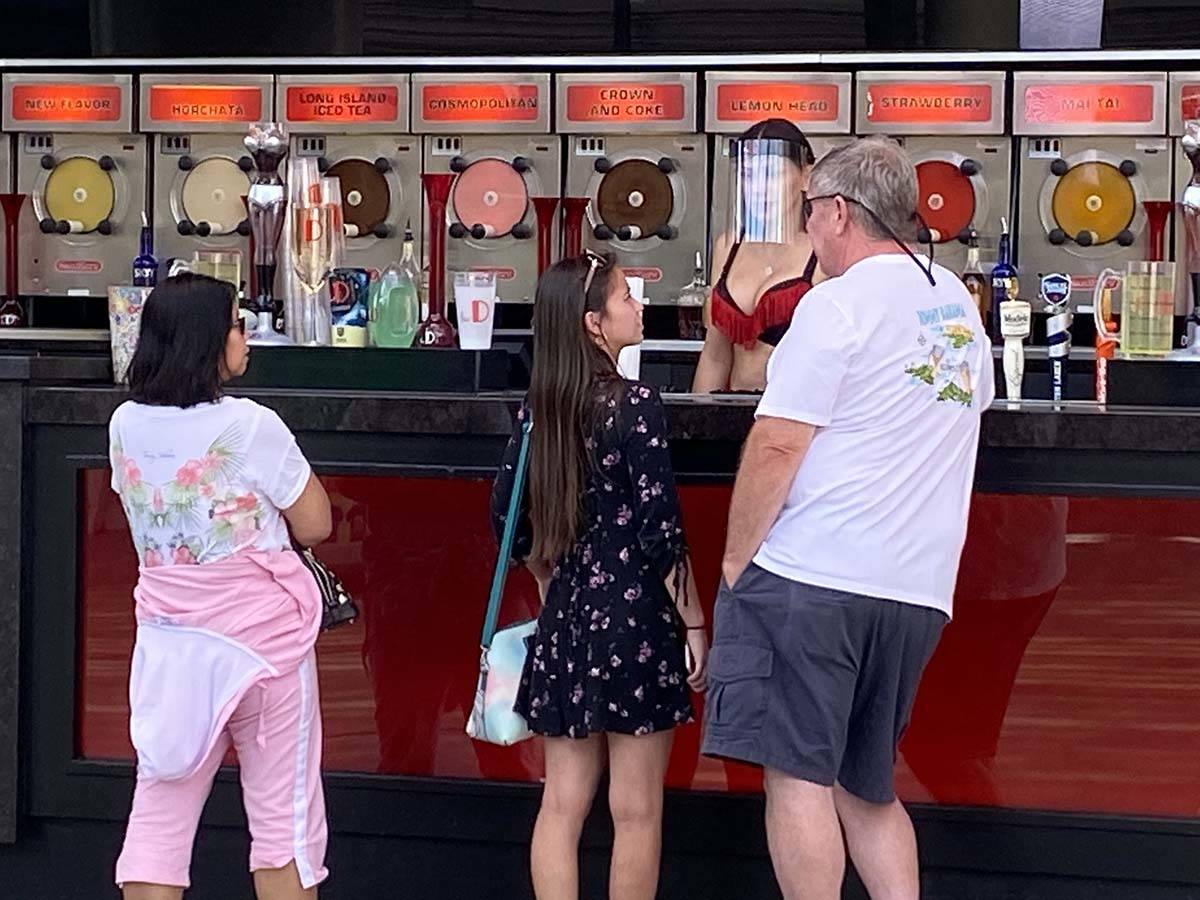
(1069, 679)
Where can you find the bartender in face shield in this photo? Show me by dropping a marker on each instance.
(763, 263)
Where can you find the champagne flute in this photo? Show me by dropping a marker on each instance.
(313, 244)
(331, 195)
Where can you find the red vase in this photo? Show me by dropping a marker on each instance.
(436, 331)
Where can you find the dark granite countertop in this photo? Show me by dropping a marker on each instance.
(1039, 425)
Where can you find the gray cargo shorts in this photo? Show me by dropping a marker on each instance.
(815, 683)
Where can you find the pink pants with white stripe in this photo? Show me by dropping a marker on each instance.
(276, 732)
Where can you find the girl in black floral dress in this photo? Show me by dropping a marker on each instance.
(617, 645)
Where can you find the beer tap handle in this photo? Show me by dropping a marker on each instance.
(1015, 325)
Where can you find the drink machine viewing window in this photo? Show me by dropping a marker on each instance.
(202, 169)
(952, 127)
(1095, 182)
(635, 153)
(492, 132)
(357, 127)
(85, 174)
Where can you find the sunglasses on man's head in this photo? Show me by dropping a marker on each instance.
(807, 209)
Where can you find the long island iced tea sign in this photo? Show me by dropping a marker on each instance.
(65, 102)
(205, 103)
(342, 104)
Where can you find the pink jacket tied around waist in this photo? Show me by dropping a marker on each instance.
(206, 636)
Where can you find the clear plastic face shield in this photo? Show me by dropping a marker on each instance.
(768, 189)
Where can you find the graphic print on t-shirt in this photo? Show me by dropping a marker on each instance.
(196, 515)
(945, 341)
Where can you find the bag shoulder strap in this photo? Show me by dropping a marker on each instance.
(508, 536)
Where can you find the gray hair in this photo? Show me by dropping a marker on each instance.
(876, 172)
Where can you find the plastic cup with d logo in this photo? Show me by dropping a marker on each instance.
(475, 302)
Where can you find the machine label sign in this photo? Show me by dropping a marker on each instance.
(746, 101)
(480, 102)
(205, 103)
(632, 102)
(928, 102)
(649, 274)
(1189, 102)
(1062, 104)
(66, 102)
(502, 273)
(343, 103)
(78, 266)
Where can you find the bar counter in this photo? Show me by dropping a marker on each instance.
(1056, 734)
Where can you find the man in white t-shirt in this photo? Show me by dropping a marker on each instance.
(845, 530)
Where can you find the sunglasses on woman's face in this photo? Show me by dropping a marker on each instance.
(807, 210)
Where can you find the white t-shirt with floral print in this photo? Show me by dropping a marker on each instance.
(203, 483)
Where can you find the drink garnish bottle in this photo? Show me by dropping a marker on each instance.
(1004, 279)
(145, 266)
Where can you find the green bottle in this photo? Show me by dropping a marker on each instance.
(395, 304)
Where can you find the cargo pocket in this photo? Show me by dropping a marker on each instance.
(738, 676)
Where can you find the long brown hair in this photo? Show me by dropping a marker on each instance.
(567, 364)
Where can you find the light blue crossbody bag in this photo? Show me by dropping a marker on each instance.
(502, 656)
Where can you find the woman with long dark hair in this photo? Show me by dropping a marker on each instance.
(618, 644)
(227, 613)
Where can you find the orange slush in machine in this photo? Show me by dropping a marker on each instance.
(1095, 168)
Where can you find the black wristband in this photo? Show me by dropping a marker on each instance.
(696, 627)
